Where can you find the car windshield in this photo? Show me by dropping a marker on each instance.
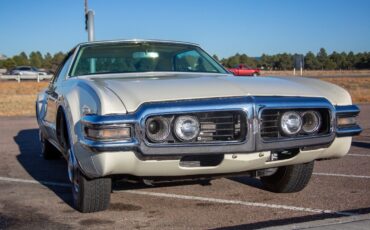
(142, 57)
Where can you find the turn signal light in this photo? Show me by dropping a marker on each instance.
(346, 121)
(108, 133)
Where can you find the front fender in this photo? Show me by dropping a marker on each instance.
(80, 97)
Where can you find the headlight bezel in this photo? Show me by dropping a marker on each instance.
(285, 130)
(164, 123)
(182, 136)
(317, 116)
(301, 131)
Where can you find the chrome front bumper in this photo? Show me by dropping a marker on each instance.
(251, 106)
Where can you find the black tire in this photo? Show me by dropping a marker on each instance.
(48, 151)
(288, 179)
(91, 195)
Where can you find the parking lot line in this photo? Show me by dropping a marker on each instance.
(9, 179)
(238, 202)
(194, 198)
(341, 175)
(358, 155)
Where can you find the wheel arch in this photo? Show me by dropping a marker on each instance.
(63, 129)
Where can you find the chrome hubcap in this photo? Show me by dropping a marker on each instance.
(72, 171)
(42, 142)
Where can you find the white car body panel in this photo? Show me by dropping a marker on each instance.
(153, 87)
(125, 93)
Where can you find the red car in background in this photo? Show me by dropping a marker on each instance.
(244, 70)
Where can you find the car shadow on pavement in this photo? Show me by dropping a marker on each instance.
(295, 220)
(250, 181)
(55, 171)
(361, 144)
(40, 169)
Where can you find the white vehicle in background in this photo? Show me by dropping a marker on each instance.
(26, 70)
(161, 110)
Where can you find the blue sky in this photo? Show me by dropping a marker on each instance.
(222, 27)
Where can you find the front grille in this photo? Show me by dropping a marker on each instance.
(214, 127)
(220, 126)
(270, 123)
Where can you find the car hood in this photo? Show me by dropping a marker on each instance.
(133, 90)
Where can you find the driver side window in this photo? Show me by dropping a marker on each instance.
(192, 61)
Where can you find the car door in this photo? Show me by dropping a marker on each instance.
(27, 71)
(53, 94)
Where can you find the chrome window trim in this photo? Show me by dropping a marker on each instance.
(252, 107)
(138, 41)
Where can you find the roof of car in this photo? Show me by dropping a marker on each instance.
(24, 66)
(138, 41)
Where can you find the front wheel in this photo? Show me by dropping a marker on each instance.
(91, 195)
(288, 179)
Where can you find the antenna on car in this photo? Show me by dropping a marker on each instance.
(89, 23)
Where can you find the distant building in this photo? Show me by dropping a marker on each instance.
(2, 57)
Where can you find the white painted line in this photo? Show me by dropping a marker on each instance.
(197, 198)
(358, 155)
(341, 175)
(8, 179)
(238, 202)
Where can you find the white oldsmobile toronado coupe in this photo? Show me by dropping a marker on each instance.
(163, 110)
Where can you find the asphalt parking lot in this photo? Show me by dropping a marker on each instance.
(35, 193)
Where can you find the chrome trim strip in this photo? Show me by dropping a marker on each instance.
(100, 146)
(137, 41)
(348, 111)
(349, 131)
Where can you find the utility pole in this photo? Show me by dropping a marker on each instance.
(89, 23)
(89, 27)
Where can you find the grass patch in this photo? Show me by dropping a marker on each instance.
(18, 99)
(359, 88)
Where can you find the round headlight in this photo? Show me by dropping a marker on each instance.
(311, 121)
(157, 129)
(291, 123)
(186, 128)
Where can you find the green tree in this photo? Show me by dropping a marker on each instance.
(36, 59)
(285, 61)
(224, 61)
(329, 64)
(322, 57)
(216, 57)
(310, 61)
(57, 60)
(21, 59)
(9, 64)
(339, 60)
(351, 59)
(267, 61)
(233, 60)
(362, 60)
(47, 63)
